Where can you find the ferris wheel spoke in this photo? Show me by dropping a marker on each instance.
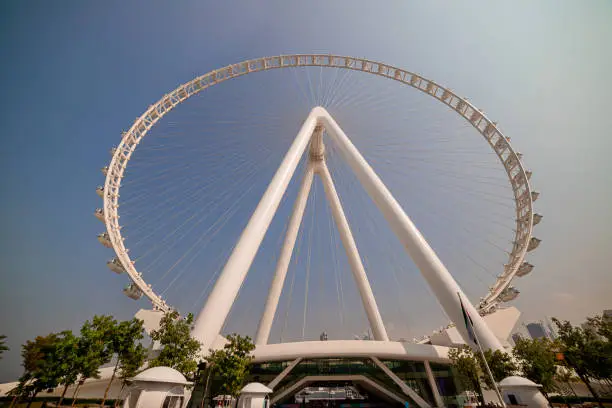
(201, 215)
(192, 182)
(194, 194)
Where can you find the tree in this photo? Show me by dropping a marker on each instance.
(64, 361)
(121, 344)
(92, 349)
(565, 376)
(537, 361)
(602, 326)
(500, 364)
(600, 336)
(579, 352)
(178, 349)
(468, 370)
(3, 346)
(232, 363)
(39, 373)
(131, 362)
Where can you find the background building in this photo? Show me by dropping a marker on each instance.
(537, 330)
(516, 336)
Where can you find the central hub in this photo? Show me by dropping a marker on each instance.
(317, 148)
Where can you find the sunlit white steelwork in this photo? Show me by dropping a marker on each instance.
(359, 274)
(433, 270)
(218, 304)
(212, 317)
(265, 325)
(511, 160)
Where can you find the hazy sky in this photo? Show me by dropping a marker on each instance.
(77, 73)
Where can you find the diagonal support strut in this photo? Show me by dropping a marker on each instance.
(217, 306)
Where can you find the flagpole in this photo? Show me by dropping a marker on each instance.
(469, 321)
(501, 399)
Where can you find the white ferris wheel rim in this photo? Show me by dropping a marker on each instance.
(510, 159)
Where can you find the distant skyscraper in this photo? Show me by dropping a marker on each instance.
(537, 331)
(551, 329)
(516, 336)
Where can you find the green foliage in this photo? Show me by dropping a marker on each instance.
(537, 361)
(178, 349)
(602, 326)
(599, 339)
(468, 371)
(472, 371)
(132, 357)
(122, 344)
(63, 358)
(3, 346)
(587, 352)
(132, 362)
(232, 363)
(93, 348)
(500, 364)
(38, 363)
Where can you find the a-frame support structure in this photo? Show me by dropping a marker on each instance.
(212, 317)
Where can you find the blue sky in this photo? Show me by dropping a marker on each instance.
(77, 73)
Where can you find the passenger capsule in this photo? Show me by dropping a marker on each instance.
(132, 291)
(105, 240)
(112, 151)
(508, 294)
(533, 244)
(115, 266)
(534, 195)
(100, 191)
(528, 174)
(536, 219)
(99, 214)
(524, 269)
(104, 170)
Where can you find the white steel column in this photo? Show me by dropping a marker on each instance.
(212, 317)
(265, 325)
(284, 373)
(405, 388)
(367, 297)
(434, 386)
(433, 270)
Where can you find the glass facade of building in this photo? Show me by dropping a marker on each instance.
(412, 373)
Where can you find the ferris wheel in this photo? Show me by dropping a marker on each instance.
(171, 217)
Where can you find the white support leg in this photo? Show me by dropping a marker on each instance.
(435, 273)
(212, 317)
(434, 386)
(284, 373)
(265, 325)
(405, 388)
(367, 297)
